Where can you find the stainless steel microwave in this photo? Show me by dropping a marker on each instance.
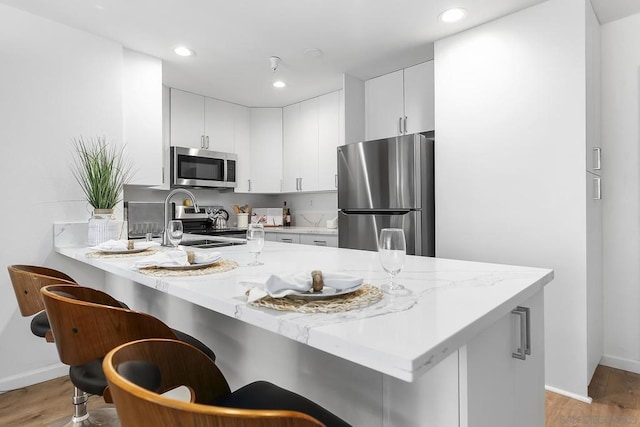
(192, 167)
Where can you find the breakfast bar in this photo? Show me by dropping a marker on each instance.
(442, 355)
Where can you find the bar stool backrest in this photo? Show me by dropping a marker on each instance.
(27, 281)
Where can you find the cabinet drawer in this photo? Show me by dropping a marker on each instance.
(314, 239)
(287, 237)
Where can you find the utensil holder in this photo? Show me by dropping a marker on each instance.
(243, 219)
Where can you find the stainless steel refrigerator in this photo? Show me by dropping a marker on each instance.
(387, 183)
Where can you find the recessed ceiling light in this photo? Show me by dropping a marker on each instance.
(184, 51)
(279, 84)
(453, 15)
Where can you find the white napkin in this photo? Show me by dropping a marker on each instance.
(123, 245)
(281, 285)
(176, 258)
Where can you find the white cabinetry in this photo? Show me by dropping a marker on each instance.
(201, 122)
(319, 240)
(311, 135)
(287, 237)
(142, 116)
(266, 150)
(400, 103)
(242, 147)
(507, 391)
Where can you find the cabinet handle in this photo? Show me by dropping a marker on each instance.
(249, 185)
(286, 240)
(597, 152)
(207, 139)
(400, 126)
(297, 187)
(525, 333)
(405, 124)
(300, 183)
(597, 189)
(201, 141)
(336, 180)
(320, 242)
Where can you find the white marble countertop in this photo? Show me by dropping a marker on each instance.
(302, 230)
(451, 302)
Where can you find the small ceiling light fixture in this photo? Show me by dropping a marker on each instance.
(279, 84)
(453, 15)
(184, 51)
(313, 52)
(274, 60)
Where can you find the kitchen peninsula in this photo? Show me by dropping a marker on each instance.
(440, 356)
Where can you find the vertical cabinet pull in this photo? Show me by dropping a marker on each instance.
(597, 153)
(525, 333)
(597, 189)
(300, 184)
(201, 141)
(399, 125)
(249, 185)
(336, 180)
(405, 124)
(207, 139)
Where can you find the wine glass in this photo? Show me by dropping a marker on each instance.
(392, 250)
(174, 232)
(255, 241)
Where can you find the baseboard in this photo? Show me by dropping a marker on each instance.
(33, 377)
(619, 363)
(585, 399)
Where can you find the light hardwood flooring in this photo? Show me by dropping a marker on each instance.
(615, 393)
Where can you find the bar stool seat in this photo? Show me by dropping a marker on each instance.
(40, 324)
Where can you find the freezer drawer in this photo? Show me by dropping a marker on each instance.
(361, 230)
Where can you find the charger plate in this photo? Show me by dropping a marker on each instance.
(221, 266)
(364, 297)
(121, 254)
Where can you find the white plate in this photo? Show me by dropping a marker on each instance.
(326, 293)
(188, 267)
(123, 251)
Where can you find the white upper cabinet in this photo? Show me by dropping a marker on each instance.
(219, 125)
(291, 143)
(201, 122)
(400, 103)
(311, 136)
(142, 116)
(328, 140)
(187, 119)
(242, 146)
(266, 150)
(419, 108)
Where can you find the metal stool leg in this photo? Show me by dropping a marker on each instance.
(82, 418)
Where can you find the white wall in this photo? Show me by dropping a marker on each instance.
(56, 84)
(510, 150)
(621, 161)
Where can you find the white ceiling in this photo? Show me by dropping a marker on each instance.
(234, 39)
(611, 10)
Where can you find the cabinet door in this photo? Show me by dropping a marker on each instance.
(419, 98)
(242, 146)
(187, 119)
(384, 105)
(266, 150)
(291, 137)
(497, 389)
(308, 159)
(142, 116)
(328, 140)
(218, 125)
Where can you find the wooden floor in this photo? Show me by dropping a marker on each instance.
(615, 393)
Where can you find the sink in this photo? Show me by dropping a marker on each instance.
(211, 243)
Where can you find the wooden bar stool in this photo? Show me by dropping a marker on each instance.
(137, 372)
(86, 324)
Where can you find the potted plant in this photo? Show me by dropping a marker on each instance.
(102, 171)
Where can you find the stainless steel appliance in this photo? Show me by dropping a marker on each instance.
(206, 221)
(191, 167)
(387, 183)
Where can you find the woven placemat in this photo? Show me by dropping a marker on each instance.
(98, 254)
(217, 267)
(365, 296)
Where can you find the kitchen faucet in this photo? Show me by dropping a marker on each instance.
(168, 215)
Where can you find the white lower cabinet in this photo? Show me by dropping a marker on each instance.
(319, 240)
(498, 389)
(287, 237)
